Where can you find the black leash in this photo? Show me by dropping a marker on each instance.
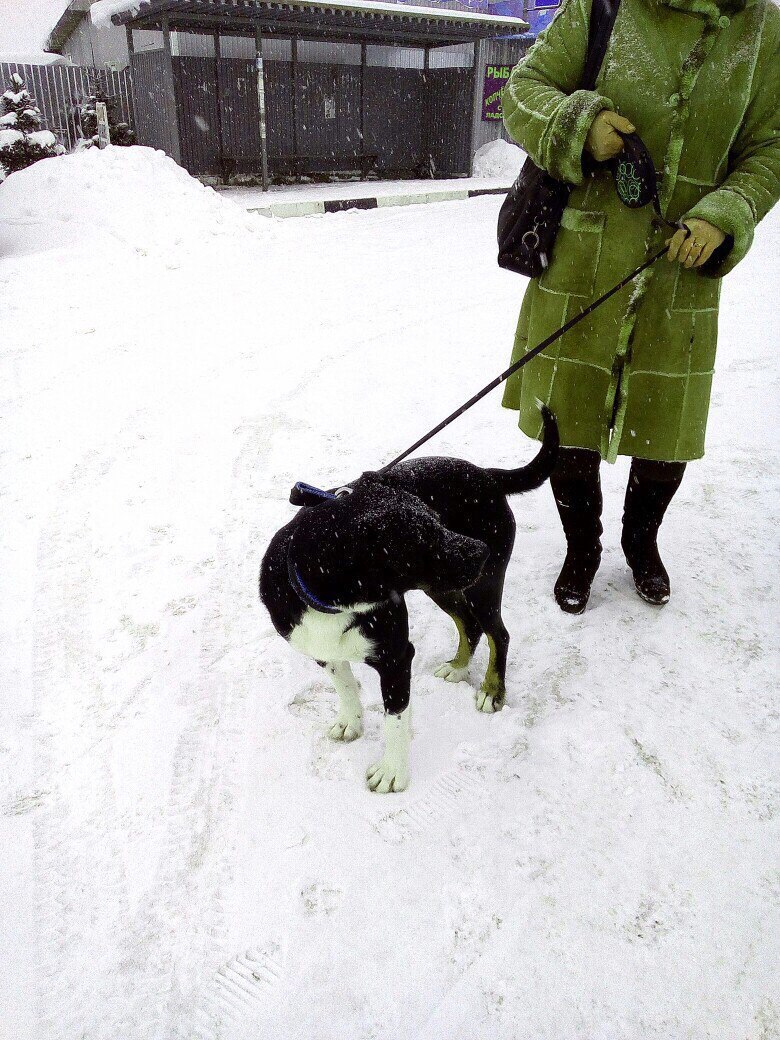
(528, 357)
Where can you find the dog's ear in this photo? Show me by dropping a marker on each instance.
(425, 554)
(456, 562)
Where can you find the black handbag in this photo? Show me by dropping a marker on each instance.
(530, 215)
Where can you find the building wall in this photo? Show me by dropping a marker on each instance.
(492, 52)
(88, 46)
(539, 14)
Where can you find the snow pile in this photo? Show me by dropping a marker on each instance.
(137, 196)
(498, 159)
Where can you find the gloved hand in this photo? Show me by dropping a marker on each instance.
(603, 142)
(695, 249)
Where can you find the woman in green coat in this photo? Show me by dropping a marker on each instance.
(700, 82)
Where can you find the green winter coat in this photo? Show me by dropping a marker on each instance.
(701, 84)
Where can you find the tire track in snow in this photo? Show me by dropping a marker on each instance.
(210, 988)
(107, 969)
(79, 876)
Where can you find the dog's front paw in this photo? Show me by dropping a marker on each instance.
(384, 777)
(346, 728)
(490, 698)
(450, 672)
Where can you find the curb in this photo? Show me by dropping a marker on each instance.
(306, 209)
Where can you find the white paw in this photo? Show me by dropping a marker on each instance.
(490, 702)
(450, 673)
(346, 728)
(384, 777)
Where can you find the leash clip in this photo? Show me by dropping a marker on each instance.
(304, 494)
(309, 489)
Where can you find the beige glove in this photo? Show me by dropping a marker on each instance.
(695, 249)
(602, 141)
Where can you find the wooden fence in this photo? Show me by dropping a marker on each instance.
(59, 90)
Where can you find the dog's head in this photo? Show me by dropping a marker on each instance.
(375, 540)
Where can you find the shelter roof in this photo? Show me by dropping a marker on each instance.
(333, 19)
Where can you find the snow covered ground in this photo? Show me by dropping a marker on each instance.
(183, 852)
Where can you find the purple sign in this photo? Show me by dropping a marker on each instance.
(495, 80)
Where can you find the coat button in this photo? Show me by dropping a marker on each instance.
(674, 100)
(724, 21)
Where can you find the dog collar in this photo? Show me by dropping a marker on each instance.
(304, 594)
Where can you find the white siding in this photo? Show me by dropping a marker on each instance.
(322, 51)
(88, 46)
(395, 57)
(459, 56)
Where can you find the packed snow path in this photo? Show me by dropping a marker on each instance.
(184, 854)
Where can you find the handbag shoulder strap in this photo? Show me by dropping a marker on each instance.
(602, 17)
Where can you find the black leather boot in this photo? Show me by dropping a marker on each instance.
(577, 490)
(651, 487)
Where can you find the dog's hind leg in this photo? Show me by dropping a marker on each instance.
(349, 721)
(485, 603)
(469, 633)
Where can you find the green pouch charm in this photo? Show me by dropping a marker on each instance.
(633, 171)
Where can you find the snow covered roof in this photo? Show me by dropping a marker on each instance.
(402, 20)
(32, 58)
(67, 22)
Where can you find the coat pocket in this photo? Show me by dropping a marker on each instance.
(576, 254)
(694, 291)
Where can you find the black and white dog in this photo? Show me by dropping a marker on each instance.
(334, 578)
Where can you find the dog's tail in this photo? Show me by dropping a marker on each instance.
(515, 481)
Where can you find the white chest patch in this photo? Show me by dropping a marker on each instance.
(329, 637)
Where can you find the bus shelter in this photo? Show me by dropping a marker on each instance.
(236, 89)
